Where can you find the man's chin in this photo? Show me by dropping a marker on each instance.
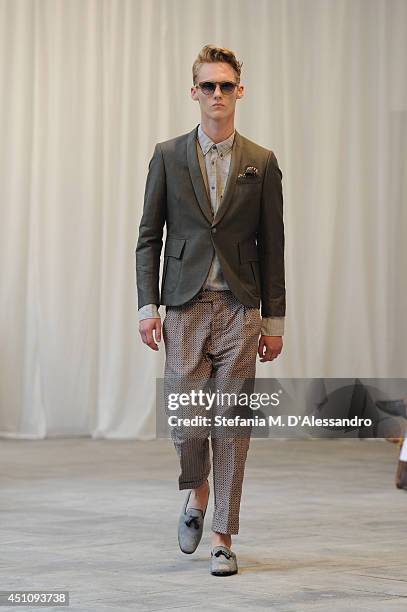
(218, 113)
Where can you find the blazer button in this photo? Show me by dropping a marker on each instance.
(214, 230)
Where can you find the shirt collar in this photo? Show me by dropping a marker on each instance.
(206, 142)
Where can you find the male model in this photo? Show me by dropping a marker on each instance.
(220, 196)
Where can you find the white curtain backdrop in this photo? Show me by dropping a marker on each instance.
(87, 87)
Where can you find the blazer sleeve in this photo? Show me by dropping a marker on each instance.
(150, 238)
(270, 242)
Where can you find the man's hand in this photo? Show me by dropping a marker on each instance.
(146, 328)
(269, 347)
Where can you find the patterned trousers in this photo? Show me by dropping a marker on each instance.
(213, 338)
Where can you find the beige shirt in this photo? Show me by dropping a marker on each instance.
(217, 157)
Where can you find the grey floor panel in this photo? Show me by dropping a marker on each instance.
(323, 528)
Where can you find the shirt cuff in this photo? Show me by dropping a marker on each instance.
(272, 326)
(149, 311)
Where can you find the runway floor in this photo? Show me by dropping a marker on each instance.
(322, 527)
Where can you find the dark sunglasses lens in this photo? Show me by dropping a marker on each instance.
(227, 88)
(208, 87)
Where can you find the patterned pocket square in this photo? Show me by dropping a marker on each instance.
(250, 172)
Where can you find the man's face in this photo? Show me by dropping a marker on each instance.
(217, 72)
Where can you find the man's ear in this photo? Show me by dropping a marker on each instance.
(240, 92)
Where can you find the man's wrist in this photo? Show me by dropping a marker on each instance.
(272, 326)
(148, 311)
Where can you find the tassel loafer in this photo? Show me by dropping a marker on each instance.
(223, 561)
(190, 527)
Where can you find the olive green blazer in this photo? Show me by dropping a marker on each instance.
(247, 231)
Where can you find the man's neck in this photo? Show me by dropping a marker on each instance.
(216, 131)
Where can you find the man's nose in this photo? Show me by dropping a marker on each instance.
(218, 91)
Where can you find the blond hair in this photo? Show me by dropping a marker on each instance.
(212, 53)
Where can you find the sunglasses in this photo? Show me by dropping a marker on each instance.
(209, 87)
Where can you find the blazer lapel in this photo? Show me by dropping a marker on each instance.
(232, 177)
(202, 165)
(197, 171)
(196, 176)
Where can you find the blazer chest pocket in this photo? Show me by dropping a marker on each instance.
(249, 263)
(173, 252)
(252, 180)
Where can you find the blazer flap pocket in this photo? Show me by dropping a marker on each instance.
(174, 246)
(248, 251)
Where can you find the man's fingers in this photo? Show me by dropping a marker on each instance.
(272, 351)
(146, 328)
(260, 349)
(269, 355)
(150, 340)
(158, 330)
(265, 353)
